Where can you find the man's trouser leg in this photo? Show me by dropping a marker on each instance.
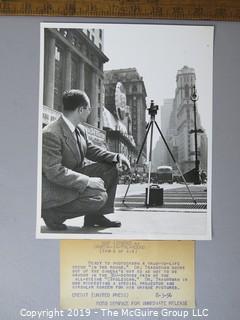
(109, 174)
(91, 201)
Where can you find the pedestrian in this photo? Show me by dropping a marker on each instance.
(203, 176)
(69, 188)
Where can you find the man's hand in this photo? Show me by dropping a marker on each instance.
(122, 160)
(96, 183)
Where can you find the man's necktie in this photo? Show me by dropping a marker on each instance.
(79, 143)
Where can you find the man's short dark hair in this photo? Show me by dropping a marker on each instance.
(72, 99)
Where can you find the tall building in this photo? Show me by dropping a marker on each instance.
(172, 136)
(160, 152)
(73, 59)
(182, 122)
(135, 92)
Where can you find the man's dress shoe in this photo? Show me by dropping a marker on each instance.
(52, 222)
(100, 221)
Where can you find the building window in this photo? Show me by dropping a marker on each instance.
(99, 84)
(134, 101)
(88, 33)
(112, 92)
(134, 88)
(186, 89)
(99, 112)
(100, 33)
(93, 39)
(74, 74)
(58, 82)
(98, 124)
(99, 98)
(100, 46)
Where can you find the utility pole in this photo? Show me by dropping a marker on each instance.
(194, 97)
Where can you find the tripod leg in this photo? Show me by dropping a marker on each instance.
(150, 167)
(172, 156)
(144, 140)
(149, 125)
(185, 182)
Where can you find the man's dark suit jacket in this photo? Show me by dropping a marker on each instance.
(61, 161)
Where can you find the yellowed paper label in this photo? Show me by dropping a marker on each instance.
(126, 274)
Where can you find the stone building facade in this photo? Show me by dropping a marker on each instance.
(74, 59)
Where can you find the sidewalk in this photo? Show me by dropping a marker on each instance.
(143, 223)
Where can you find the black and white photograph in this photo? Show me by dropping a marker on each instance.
(125, 131)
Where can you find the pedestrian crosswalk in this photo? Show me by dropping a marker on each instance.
(175, 198)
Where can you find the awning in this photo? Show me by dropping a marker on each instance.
(110, 122)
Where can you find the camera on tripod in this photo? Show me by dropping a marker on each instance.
(154, 194)
(153, 109)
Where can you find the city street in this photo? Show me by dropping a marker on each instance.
(175, 196)
(178, 218)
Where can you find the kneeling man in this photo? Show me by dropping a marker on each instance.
(69, 188)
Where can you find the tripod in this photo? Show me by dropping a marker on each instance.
(152, 110)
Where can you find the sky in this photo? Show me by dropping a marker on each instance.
(158, 52)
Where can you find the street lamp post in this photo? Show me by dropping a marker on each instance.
(194, 98)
